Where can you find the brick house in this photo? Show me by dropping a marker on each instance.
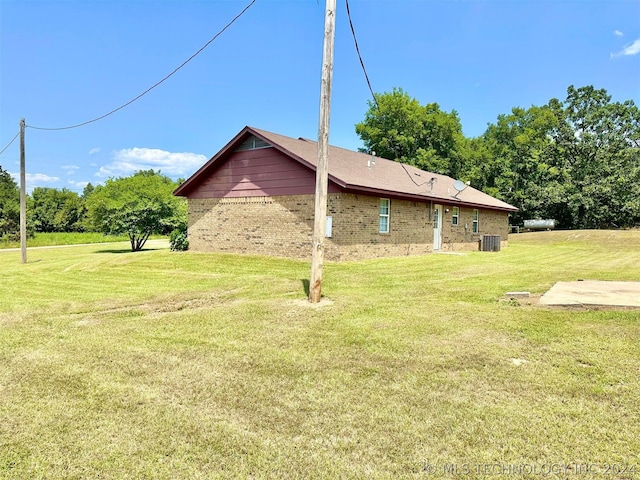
(256, 195)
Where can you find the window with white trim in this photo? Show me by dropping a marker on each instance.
(455, 215)
(384, 215)
(476, 224)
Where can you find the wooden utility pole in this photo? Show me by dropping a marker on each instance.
(23, 197)
(322, 170)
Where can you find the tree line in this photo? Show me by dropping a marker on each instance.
(138, 206)
(575, 160)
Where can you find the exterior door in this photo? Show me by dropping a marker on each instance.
(437, 227)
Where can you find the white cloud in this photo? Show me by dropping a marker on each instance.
(35, 180)
(104, 173)
(70, 169)
(40, 178)
(78, 185)
(93, 151)
(630, 49)
(618, 33)
(129, 160)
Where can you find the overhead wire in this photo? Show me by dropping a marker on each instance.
(9, 144)
(155, 84)
(366, 76)
(355, 41)
(412, 179)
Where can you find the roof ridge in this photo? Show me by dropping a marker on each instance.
(362, 172)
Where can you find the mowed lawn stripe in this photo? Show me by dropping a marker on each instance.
(182, 365)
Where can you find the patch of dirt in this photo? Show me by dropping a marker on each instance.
(13, 317)
(589, 308)
(517, 302)
(518, 361)
(534, 301)
(305, 303)
(159, 305)
(87, 321)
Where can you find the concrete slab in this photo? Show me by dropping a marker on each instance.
(593, 292)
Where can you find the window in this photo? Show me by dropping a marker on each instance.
(455, 215)
(252, 143)
(476, 227)
(384, 215)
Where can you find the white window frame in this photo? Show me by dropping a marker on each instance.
(455, 216)
(384, 202)
(476, 221)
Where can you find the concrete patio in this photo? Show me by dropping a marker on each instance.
(593, 292)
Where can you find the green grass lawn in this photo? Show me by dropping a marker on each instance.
(68, 238)
(158, 364)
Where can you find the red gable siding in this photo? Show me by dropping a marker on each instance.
(257, 173)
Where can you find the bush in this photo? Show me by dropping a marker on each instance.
(178, 241)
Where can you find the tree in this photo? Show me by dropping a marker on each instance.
(9, 206)
(88, 190)
(53, 210)
(399, 128)
(576, 161)
(597, 143)
(511, 160)
(138, 206)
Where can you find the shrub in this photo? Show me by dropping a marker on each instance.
(178, 241)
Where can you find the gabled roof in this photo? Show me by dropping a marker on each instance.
(358, 172)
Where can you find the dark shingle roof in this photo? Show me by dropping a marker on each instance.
(361, 172)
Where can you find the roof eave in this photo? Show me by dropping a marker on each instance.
(425, 198)
(218, 158)
(192, 181)
(297, 158)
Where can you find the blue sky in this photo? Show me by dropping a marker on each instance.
(66, 62)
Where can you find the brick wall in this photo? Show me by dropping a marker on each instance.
(461, 236)
(277, 225)
(356, 227)
(283, 226)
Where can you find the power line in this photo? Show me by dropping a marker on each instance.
(412, 179)
(355, 41)
(155, 84)
(9, 144)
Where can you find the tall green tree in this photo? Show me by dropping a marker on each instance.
(597, 143)
(576, 161)
(53, 210)
(398, 128)
(87, 190)
(512, 164)
(138, 206)
(9, 205)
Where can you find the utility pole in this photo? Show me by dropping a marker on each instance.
(322, 170)
(23, 197)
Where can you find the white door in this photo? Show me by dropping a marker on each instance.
(437, 227)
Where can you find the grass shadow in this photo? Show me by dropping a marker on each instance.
(127, 250)
(115, 250)
(305, 286)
